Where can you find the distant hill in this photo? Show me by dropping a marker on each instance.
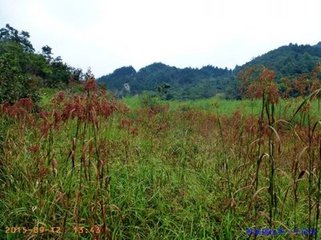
(290, 61)
(187, 83)
(191, 83)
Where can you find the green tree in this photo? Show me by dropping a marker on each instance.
(15, 83)
(47, 53)
(12, 34)
(60, 73)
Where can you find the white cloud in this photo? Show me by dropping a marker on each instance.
(110, 34)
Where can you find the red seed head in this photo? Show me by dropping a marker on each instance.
(90, 84)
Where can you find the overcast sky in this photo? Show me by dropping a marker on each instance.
(108, 34)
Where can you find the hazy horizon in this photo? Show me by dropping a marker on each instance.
(106, 35)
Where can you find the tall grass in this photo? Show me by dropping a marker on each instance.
(85, 166)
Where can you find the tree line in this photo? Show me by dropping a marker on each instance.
(23, 71)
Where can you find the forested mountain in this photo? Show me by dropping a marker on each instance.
(289, 61)
(187, 83)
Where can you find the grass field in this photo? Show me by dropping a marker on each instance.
(86, 166)
(284, 108)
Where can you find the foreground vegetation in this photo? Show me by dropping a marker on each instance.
(84, 166)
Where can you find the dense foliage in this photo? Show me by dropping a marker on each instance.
(23, 71)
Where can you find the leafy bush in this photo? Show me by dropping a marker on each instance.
(149, 100)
